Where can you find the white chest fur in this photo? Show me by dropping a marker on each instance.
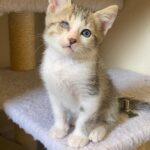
(64, 77)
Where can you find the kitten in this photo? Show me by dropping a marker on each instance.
(74, 74)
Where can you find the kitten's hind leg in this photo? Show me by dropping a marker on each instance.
(61, 126)
(107, 123)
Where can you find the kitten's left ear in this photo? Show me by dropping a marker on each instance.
(56, 5)
(106, 17)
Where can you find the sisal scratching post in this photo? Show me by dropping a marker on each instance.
(22, 41)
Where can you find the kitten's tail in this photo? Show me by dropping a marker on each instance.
(130, 104)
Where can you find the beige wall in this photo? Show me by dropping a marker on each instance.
(127, 44)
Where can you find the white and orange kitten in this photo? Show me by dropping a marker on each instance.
(74, 74)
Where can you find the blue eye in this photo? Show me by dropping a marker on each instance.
(86, 33)
(64, 24)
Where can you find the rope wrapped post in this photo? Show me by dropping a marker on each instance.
(22, 41)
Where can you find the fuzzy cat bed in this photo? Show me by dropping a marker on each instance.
(27, 104)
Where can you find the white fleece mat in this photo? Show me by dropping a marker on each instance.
(26, 103)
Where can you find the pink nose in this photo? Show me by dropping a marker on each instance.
(72, 41)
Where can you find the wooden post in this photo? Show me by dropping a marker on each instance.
(22, 41)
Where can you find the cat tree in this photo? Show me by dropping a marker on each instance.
(33, 97)
(21, 30)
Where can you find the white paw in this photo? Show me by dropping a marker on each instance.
(77, 141)
(57, 133)
(97, 134)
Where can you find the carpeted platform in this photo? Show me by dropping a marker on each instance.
(26, 103)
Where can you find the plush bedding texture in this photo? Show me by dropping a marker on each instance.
(25, 101)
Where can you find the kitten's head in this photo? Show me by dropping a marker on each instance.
(75, 31)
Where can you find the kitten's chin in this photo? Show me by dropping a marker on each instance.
(68, 50)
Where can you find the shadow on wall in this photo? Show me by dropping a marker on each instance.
(39, 29)
(127, 44)
(4, 42)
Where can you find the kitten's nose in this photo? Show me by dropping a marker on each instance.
(72, 41)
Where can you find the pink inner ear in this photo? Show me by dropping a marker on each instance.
(104, 25)
(52, 6)
(107, 22)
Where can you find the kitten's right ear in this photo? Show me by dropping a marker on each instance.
(56, 5)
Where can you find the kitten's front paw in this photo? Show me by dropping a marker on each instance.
(77, 141)
(97, 134)
(57, 133)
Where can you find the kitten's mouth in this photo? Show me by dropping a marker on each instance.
(68, 47)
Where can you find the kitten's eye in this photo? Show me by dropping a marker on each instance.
(64, 24)
(86, 33)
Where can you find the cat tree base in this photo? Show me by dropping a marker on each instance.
(31, 110)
